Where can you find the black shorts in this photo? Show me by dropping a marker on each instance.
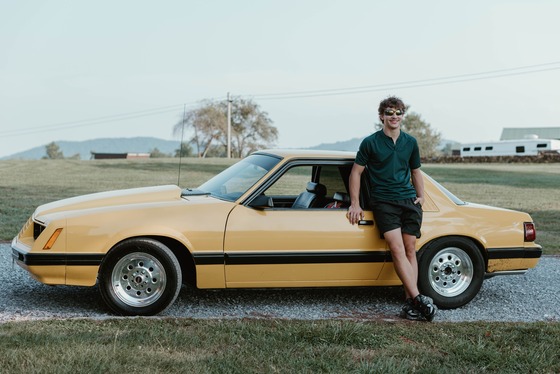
(403, 214)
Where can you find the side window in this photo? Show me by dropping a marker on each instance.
(332, 176)
(290, 190)
(292, 182)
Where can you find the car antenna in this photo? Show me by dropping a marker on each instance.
(181, 145)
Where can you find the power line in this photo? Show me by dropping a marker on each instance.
(93, 121)
(411, 84)
(492, 74)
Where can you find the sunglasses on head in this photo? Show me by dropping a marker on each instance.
(390, 112)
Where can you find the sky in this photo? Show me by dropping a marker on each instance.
(79, 70)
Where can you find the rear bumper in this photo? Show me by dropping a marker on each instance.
(508, 261)
(522, 252)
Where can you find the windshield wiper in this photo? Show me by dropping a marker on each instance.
(193, 192)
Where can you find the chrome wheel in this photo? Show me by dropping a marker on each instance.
(450, 272)
(138, 279)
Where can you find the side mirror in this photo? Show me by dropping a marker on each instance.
(262, 202)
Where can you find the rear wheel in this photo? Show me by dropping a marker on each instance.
(451, 271)
(139, 276)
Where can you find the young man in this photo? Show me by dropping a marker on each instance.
(391, 159)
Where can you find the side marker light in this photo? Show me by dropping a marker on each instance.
(52, 239)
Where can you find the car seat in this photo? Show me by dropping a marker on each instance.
(341, 200)
(313, 192)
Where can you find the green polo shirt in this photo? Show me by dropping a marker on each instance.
(388, 165)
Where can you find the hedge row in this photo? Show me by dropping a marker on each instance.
(542, 158)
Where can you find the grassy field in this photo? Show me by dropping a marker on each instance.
(274, 346)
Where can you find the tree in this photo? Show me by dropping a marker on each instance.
(207, 123)
(185, 150)
(53, 151)
(428, 138)
(251, 128)
(156, 153)
(448, 148)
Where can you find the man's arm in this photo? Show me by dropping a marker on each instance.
(355, 212)
(418, 183)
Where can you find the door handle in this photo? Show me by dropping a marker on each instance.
(365, 222)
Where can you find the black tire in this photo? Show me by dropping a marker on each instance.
(139, 276)
(450, 271)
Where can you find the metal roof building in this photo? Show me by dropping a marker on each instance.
(105, 156)
(514, 133)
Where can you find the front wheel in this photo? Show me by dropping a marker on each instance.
(450, 271)
(139, 276)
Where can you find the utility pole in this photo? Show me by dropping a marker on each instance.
(228, 126)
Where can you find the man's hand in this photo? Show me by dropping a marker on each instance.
(355, 214)
(419, 200)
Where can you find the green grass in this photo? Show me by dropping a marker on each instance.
(276, 346)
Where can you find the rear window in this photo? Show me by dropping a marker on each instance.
(452, 197)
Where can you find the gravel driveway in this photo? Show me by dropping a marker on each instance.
(531, 297)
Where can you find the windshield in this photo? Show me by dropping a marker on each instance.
(233, 182)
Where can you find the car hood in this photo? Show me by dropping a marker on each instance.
(112, 198)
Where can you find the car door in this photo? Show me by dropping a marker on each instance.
(280, 246)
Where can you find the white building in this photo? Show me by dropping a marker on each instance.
(520, 147)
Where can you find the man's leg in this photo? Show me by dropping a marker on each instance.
(421, 303)
(409, 242)
(406, 269)
(403, 251)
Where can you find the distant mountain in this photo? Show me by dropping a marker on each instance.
(354, 144)
(148, 144)
(347, 145)
(104, 145)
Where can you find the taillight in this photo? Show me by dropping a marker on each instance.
(530, 232)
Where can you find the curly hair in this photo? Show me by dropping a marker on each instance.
(391, 102)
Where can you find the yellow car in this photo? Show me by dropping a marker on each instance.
(274, 219)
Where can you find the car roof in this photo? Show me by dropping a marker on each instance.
(309, 153)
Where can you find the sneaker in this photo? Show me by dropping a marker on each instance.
(409, 312)
(425, 306)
